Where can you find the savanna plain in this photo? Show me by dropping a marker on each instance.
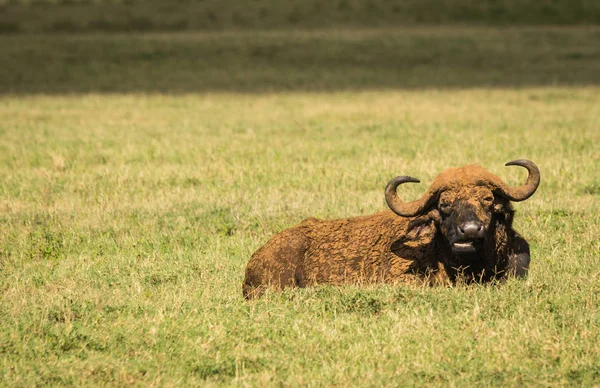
(138, 173)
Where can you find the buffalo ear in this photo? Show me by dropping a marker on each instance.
(424, 223)
(501, 205)
(503, 211)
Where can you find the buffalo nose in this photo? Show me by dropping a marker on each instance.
(471, 229)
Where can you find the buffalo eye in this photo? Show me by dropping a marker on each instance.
(488, 200)
(444, 207)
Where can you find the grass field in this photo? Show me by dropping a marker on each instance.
(284, 60)
(139, 173)
(50, 16)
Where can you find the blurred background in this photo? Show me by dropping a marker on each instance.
(76, 46)
(193, 15)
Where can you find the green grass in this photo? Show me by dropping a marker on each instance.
(322, 60)
(17, 16)
(131, 201)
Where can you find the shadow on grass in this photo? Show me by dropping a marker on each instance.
(324, 60)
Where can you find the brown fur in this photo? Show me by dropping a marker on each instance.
(385, 247)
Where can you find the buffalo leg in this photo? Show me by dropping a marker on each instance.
(518, 261)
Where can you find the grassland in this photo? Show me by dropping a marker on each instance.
(49, 16)
(321, 60)
(139, 173)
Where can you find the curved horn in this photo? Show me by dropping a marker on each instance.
(521, 193)
(404, 209)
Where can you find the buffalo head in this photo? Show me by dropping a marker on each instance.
(465, 203)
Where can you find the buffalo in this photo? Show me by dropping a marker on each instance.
(459, 230)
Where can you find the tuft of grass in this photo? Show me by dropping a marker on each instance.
(591, 189)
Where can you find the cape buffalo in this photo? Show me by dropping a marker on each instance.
(461, 228)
